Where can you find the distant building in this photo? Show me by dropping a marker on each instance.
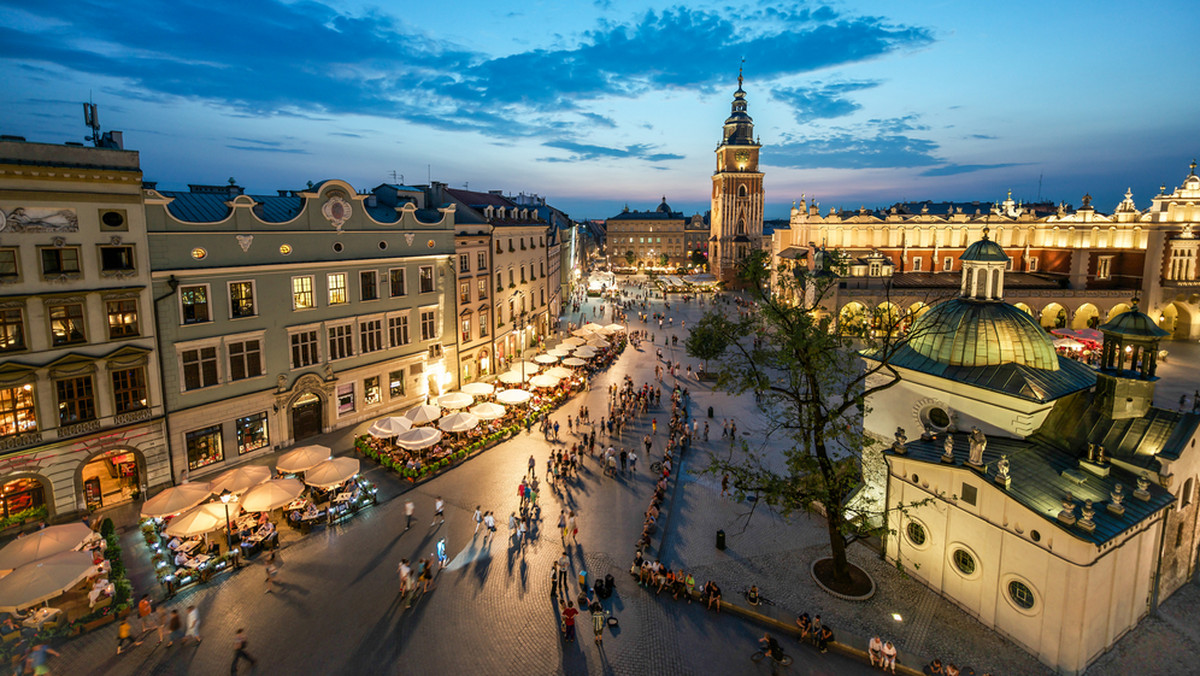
(737, 193)
(654, 237)
(288, 315)
(81, 408)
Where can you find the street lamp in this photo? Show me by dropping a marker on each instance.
(226, 498)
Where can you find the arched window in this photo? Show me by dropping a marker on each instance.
(741, 191)
(741, 227)
(1186, 495)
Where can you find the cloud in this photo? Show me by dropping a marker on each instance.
(346, 134)
(583, 152)
(874, 144)
(269, 149)
(955, 169)
(821, 101)
(983, 137)
(599, 120)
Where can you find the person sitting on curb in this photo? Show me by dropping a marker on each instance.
(875, 651)
(934, 668)
(889, 657)
(951, 670)
(805, 624)
(824, 637)
(752, 595)
(712, 594)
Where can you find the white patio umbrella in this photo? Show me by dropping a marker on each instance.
(423, 413)
(43, 543)
(488, 411)
(559, 352)
(203, 519)
(479, 389)
(604, 331)
(543, 381)
(598, 343)
(176, 499)
(419, 437)
(581, 333)
(456, 400)
(545, 358)
(574, 361)
(615, 327)
(459, 422)
(300, 459)
(513, 377)
(42, 580)
(559, 372)
(574, 342)
(240, 479)
(331, 472)
(592, 326)
(1069, 343)
(526, 367)
(513, 396)
(386, 428)
(271, 494)
(586, 352)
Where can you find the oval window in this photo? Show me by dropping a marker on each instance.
(1036, 536)
(1021, 594)
(199, 253)
(285, 249)
(938, 418)
(337, 246)
(916, 533)
(964, 562)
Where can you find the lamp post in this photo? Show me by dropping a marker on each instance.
(226, 498)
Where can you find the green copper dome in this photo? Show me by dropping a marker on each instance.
(1133, 323)
(984, 250)
(965, 332)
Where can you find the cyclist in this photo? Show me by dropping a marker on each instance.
(771, 647)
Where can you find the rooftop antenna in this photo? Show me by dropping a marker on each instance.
(1040, 186)
(429, 174)
(92, 119)
(394, 175)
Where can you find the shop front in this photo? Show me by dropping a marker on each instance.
(110, 478)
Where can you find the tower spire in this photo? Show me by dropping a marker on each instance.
(744, 64)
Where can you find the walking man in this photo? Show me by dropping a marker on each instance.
(239, 651)
(489, 520)
(408, 513)
(478, 518)
(438, 506)
(193, 625)
(533, 465)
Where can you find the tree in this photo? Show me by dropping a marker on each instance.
(630, 257)
(810, 383)
(698, 258)
(663, 259)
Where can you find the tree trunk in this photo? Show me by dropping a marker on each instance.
(837, 543)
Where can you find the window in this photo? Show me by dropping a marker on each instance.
(199, 368)
(466, 329)
(542, 295)
(302, 293)
(9, 268)
(122, 318)
(17, 413)
(1021, 594)
(241, 299)
(1104, 267)
(370, 335)
(464, 292)
(245, 359)
(481, 260)
(368, 285)
(969, 494)
(396, 384)
(483, 289)
(129, 389)
(76, 400)
(464, 263)
(204, 447)
(396, 282)
(511, 281)
(12, 330)
(428, 325)
(341, 342)
(916, 264)
(937, 418)
(398, 330)
(116, 258)
(541, 269)
(916, 533)
(193, 303)
(304, 348)
(964, 562)
(499, 282)
(345, 398)
(252, 433)
(60, 261)
(66, 324)
(372, 394)
(1033, 263)
(337, 288)
(426, 279)
(483, 323)
(948, 264)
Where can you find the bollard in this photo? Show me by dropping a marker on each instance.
(721, 540)
(710, 411)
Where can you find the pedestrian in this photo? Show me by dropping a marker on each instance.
(124, 637)
(568, 620)
(405, 573)
(272, 569)
(824, 636)
(145, 610)
(624, 460)
(706, 430)
(39, 657)
(489, 520)
(532, 465)
(555, 429)
(176, 626)
(160, 619)
(520, 532)
(512, 523)
(193, 625)
(562, 525)
(239, 651)
(598, 620)
(633, 461)
(478, 518)
(438, 506)
(408, 513)
(563, 565)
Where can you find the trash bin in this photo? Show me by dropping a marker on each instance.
(710, 411)
(721, 540)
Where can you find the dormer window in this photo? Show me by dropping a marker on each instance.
(488, 212)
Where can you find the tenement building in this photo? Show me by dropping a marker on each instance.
(287, 315)
(1067, 268)
(737, 194)
(81, 414)
(655, 238)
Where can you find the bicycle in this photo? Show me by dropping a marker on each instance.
(762, 600)
(784, 659)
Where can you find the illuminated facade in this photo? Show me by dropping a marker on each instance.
(737, 193)
(652, 238)
(81, 411)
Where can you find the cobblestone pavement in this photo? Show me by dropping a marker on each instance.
(336, 608)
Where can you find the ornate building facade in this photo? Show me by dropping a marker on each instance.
(652, 238)
(737, 193)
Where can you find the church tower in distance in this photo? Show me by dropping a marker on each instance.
(737, 194)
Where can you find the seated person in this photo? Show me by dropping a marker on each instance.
(805, 624)
(752, 595)
(8, 627)
(934, 668)
(180, 558)
(174, 543)
(310, 512)
(713, 595)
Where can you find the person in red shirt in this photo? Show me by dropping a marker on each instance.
(568, 616)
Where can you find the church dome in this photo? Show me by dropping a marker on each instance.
(968, 332)
(664, 208)
(984, 250)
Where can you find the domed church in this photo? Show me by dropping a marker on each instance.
(1058, 502)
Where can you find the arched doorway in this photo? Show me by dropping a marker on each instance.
(22, 497)
(307, 416)
(1054, 316)
(853, 318)
(485, 363)
(110, 478)
(1117, 309)
(1086, 317)
(1024, 308)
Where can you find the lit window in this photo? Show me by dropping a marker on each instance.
(17, 412)
(204, 447)
(122, 318)
(337, 288)
(252, 433)
(302, 293)
(372, 393)
(396, 384)
(129, 389)
(66, 324)
(76, 400)
(193, 302)
(426, 279)
(241, 299)
(12, 330)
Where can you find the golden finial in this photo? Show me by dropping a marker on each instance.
(986, 230)
(744, 63)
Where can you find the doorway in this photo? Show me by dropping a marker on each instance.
(306, 416)
(110, 479)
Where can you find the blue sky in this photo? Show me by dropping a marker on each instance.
(599, 104)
